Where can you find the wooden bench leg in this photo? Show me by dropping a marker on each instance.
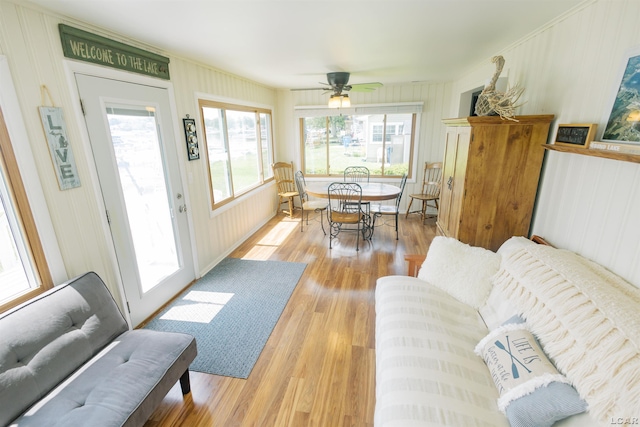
(185, 383)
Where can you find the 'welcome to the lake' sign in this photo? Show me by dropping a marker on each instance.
(88, 47)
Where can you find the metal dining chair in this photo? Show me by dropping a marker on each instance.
(306, 204)
(378, 209)
(358, 174)
(340, 213)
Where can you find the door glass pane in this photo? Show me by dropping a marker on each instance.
(243, 149)
(16, 271)
(136, 143)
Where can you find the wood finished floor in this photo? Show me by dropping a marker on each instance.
(318, 366)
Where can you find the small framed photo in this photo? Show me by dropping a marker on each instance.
(623, 124)
(576, 135)
(193, 152)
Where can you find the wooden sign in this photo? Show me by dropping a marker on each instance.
(615, 147)
(88, 47)
(59, 148)
(576, 135)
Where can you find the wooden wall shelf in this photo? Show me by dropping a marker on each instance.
(635, 158)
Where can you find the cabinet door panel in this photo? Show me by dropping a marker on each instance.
(448, 170)
(485, 183)
(459, 179)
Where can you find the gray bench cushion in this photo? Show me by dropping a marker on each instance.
(121, 386)
(45, 340)
(48, 337)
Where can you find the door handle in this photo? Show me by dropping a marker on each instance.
(182, 208)
(449, 182)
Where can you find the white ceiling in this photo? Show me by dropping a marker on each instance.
(294, 43)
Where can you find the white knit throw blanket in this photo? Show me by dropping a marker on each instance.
(587, 320)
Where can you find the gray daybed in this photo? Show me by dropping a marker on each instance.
(67, 358)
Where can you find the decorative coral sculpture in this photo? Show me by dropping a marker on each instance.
(491, 102)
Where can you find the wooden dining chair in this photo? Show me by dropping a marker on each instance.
(306, 204)
(283, 174)
(340, 213)
(378, 209)
(431, 182)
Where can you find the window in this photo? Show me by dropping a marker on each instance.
(23, 269)
(331, 143)
(239, 148)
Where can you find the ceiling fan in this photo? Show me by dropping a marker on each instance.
(338, 82)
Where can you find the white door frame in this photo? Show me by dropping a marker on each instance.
(73, 67)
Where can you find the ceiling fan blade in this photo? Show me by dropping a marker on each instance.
(365, 87)
(311, 88)
(326, 87)
(339, 82)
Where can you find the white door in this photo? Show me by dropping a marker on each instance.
(132, 138)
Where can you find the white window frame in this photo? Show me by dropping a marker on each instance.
(303, 111)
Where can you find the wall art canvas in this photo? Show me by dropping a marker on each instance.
(624, 120)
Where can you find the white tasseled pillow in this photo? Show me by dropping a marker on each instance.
(463, 271)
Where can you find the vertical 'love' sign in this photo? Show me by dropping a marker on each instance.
(64, 163)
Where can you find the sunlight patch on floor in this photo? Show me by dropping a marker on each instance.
(209, 297)
(207, 306)
(270, 243)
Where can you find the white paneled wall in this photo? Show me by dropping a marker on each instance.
(30, 40)
(571, 69)
(219, 233)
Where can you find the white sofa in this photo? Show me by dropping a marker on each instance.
(586, 319)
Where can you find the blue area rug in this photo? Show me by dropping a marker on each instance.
(231, 312)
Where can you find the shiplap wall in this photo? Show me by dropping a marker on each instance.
(429, 140)
(30, 40)
(571, 68)
(218, 234)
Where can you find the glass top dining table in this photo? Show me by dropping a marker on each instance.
(371, 191)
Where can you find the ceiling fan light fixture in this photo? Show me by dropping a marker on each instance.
(339, 101)
(335, 101)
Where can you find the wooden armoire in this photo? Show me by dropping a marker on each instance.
(490, 177)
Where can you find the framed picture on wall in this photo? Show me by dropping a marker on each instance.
(623, 124)
(576, 135)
